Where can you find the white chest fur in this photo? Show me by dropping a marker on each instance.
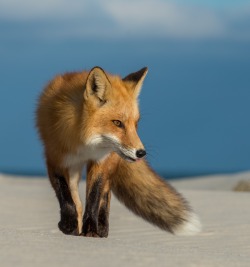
(97, 148)
(84, 154)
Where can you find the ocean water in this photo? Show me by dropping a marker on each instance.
(195, 103)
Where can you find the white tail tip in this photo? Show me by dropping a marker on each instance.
(191, 226)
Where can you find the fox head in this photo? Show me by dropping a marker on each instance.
(111, 113)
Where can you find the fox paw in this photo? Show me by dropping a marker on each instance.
(93, 228)
(68, 227)
(91, 234)
(103, 230)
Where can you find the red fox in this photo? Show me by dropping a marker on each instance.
(91, 118)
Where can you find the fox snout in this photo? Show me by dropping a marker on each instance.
(140, 153)
(126, 152)
(131, 155)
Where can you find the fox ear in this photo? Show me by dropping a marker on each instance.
(97, 84)
(136, 79)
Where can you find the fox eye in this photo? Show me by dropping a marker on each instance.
(118, 123)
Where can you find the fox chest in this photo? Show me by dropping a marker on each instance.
(84, 154)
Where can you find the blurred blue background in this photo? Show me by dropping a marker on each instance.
(195, 103)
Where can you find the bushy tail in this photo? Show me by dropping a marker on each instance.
(150, 197)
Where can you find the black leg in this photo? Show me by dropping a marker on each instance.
(96, 216)
(90, 218)
(103, 219)
(68, 223)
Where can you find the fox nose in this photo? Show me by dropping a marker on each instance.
(140, 153)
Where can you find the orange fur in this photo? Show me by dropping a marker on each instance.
(83, 118)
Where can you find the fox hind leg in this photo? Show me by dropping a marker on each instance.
(103, 218)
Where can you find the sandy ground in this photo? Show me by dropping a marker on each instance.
(29, 234)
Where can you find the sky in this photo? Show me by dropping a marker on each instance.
(136, 18)
(195, 100)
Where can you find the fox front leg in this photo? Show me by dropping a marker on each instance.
(96, 216)
(69, 223)
(103, 217)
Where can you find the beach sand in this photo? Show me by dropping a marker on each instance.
(29, 235)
